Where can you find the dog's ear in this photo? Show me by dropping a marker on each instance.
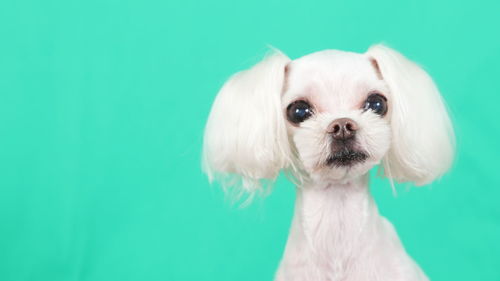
(423, 141)
(245, 136)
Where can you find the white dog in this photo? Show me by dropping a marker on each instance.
(328, 118)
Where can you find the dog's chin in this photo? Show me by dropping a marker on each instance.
(346, 158)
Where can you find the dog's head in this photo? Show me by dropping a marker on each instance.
(329, 116)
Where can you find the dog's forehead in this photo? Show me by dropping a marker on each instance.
(331, 79)
(330, 63)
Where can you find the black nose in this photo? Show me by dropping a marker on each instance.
(343, 128)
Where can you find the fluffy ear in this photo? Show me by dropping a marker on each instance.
(422, 135)
(245, 136)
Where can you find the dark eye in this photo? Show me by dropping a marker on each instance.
(377, 103)
(298, 111)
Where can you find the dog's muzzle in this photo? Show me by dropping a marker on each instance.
(344, 153)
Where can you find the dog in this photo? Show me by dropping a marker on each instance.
(326, 119)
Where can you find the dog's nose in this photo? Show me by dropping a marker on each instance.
(343, 128)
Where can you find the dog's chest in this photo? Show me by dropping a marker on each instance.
(334, 231)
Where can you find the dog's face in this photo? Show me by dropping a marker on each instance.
(336, 107)
(330, 116)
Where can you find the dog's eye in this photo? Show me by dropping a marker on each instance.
(298, 111)
(377, 103)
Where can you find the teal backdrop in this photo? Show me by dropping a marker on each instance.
(102, 110)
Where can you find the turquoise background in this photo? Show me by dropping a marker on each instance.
(102, 109)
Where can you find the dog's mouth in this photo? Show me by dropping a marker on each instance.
(346, 157)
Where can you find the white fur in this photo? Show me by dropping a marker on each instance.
(419, 120)
(337, 232)
(246, 133)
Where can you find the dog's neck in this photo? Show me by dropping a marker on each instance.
(333, 221)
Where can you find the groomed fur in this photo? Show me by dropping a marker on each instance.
(423, 139)
(245, 137)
